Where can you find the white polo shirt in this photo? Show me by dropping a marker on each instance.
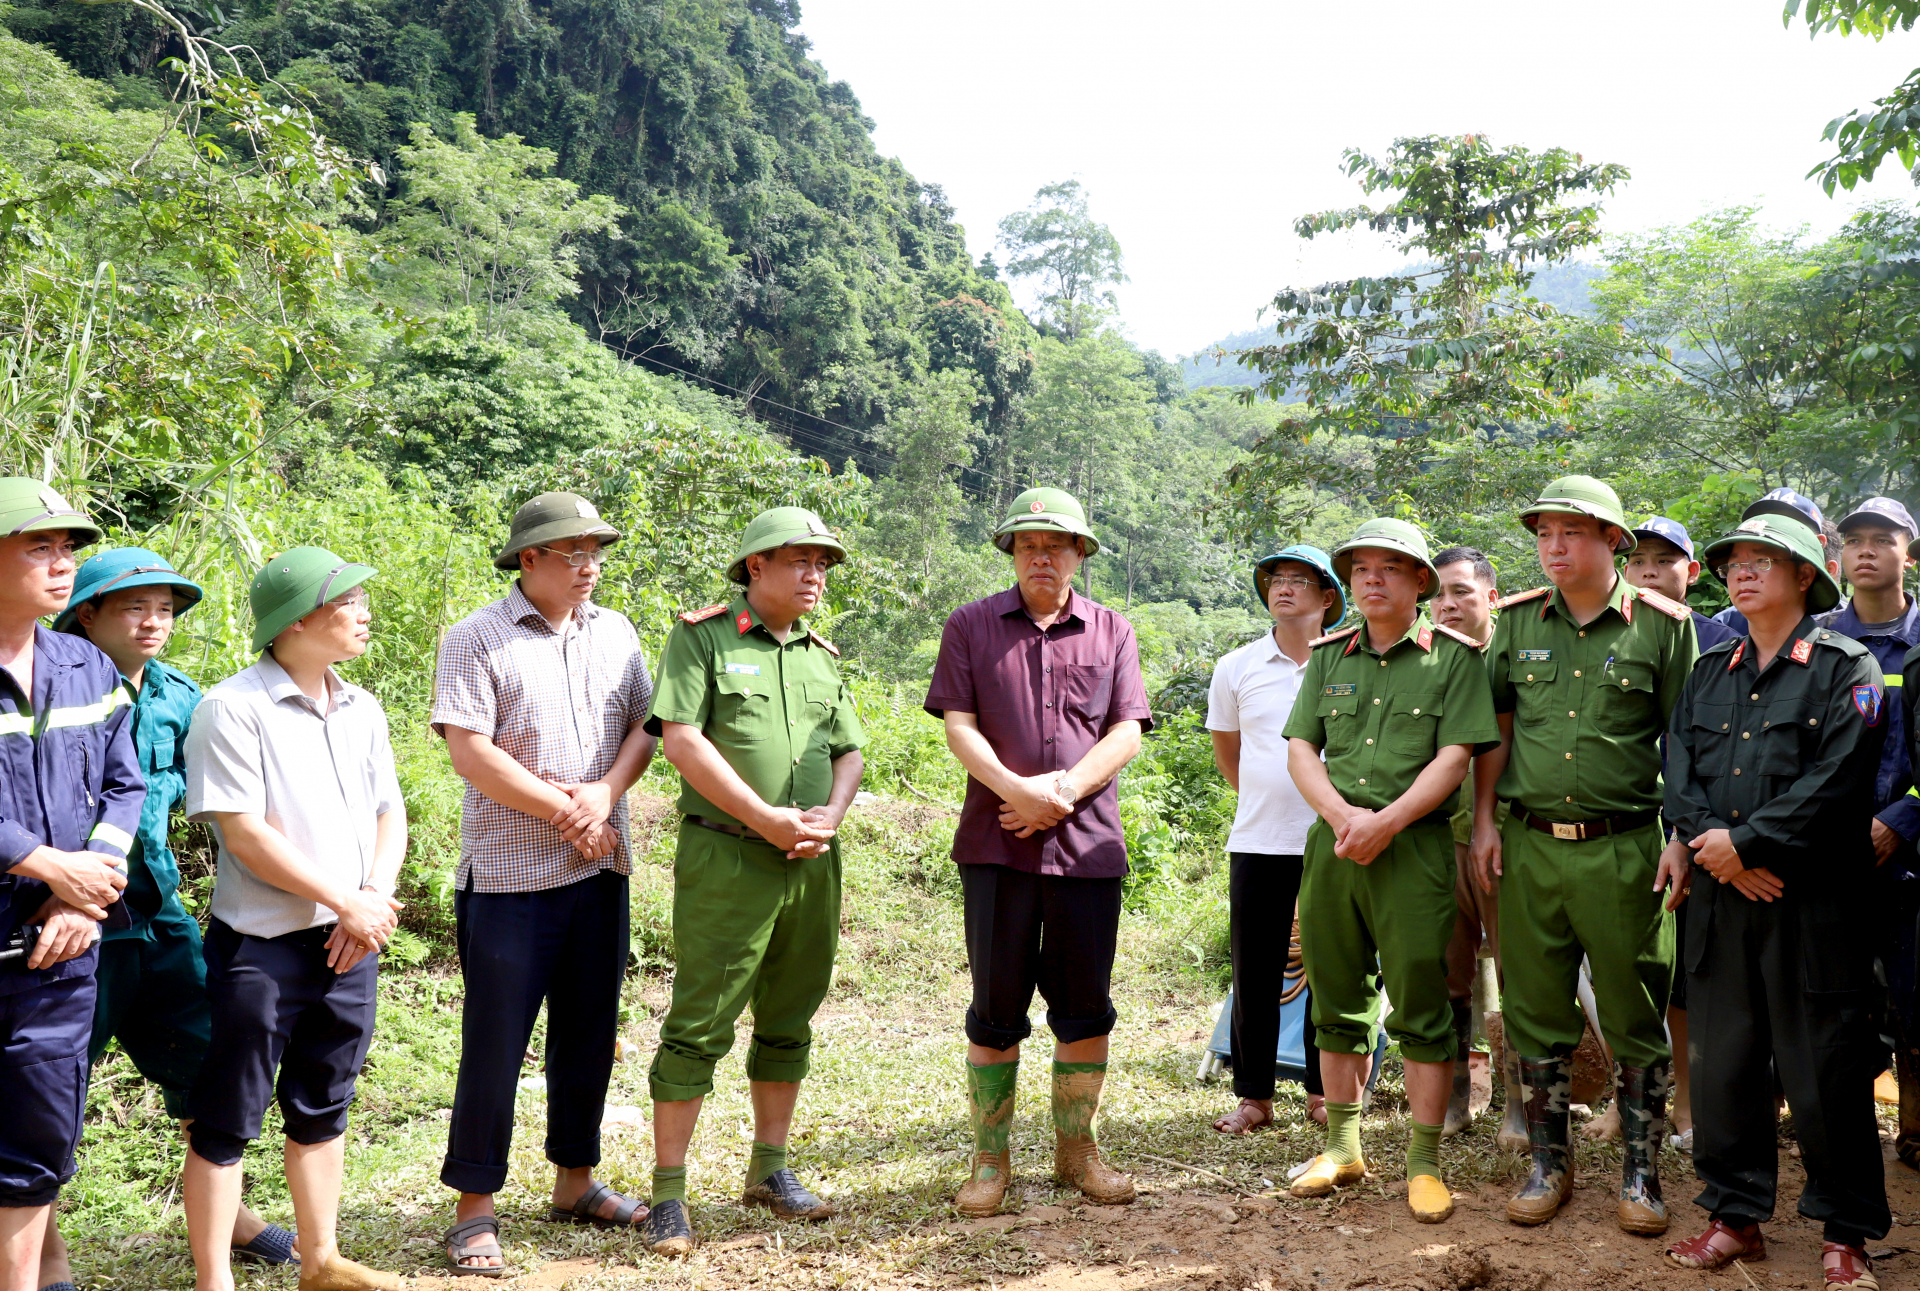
(258, 745)
(1252, 692)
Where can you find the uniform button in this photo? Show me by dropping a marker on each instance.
(1383, 663)
(1416, 712)
(1755, 696)
(1813, 721)
(1333, 712)
(1569, 797)
(1576, 672)
(1376, 703)
(796, 762)
(1369, 739)
(1625, 681)
(746, 690)
(788, 685)
(1736, 815)
(1569, 757)
(1746, 735)
(1583, 632)
(1363, 779)
(1765, 725)
(791, 722)
(1723, 726)
(1736, 770)
(1570, 712)
(1049, 668)
(1049, 703)
(1529, 676)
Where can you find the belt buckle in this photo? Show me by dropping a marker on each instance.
(1566, 829)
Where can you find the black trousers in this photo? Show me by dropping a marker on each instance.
(1261, 891)
(285, 1026)
(568, 947)
(1039, 930)
(1773, 987)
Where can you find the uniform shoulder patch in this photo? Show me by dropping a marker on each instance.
(1331, 637)
(701, 616)
(824, 644)
(1666, 605)
(1459, 636)
(1521, 597)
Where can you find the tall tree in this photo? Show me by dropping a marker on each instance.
(1076, 258)
(1864, 138)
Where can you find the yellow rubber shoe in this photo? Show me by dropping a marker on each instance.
(1428, 1199)
(1324, 1174)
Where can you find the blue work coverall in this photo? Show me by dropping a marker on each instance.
(69, 779)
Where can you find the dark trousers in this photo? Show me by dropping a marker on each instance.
(1045, 931)
(1261, 891)
(566, 946)
(153, 1000)
(43, 1087)
(1774, 989)
(284, 1025)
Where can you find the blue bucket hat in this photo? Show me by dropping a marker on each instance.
(119, 570)
(1671, 530)
(1305, 554)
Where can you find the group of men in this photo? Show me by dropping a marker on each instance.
(1545, 779)
(1422, 788)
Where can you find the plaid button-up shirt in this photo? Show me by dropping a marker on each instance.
(559, 704)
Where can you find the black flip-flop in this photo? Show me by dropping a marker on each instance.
(271, 1245)
(584, 1210)
(460, 1247)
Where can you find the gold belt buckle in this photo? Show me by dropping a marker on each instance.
(1566, 829)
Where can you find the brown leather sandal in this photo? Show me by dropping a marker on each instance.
(1701, 1254)
(1248, 1116)
(1854, 1272)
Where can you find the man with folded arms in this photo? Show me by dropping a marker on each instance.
(292, 766)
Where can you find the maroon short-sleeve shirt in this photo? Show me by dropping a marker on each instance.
(1043, 700)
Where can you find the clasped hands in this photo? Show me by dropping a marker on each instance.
(583, 821)
(84, 884)
(1715, 853)
(367, 920)
(1038, 802)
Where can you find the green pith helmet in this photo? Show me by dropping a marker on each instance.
(1052, 509)
(27, 505)
(551, 517)
(1387, 534)
(295, 584)
(1790, 536)
(1582, 495)
(782, 527)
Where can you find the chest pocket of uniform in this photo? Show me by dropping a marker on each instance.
(817, 713)
(1413, 724)
(1086, 690)
(1777, 730)
(1623, 700)
(1533, 689)
(1340, 716)
(1713, 739)
(743, 706)
(163, 755)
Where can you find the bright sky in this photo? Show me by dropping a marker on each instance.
(1201, 133)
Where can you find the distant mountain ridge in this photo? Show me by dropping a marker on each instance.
(1564, 286)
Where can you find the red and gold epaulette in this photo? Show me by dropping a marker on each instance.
(701, 616)
(1666, 605)
(1519, 597)
(1341, 635)
(824, 644)
(1457, 635)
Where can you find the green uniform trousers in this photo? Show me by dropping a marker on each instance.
(1561, 899)
(152, 998)
(1362, 925)
(749, 927)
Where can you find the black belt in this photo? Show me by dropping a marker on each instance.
(1581, 830)
(721, 827)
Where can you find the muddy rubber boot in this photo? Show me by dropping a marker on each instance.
(1459, 1111)
(990, 1091)
(1641, 1095)
(1548, 1084)
(1512, 1135)
(1906, 1144)
(1076, 1157)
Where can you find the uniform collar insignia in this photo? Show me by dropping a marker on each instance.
(1802, 650)
(743, 621)
(1353, 644)
(1739, 653)
(1425, 639)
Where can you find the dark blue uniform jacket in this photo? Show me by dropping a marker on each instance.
(1893, 805)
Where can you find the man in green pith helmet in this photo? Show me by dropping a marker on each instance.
(752, 712)
(1398, 705)
(1585, 672)
(1040, 692)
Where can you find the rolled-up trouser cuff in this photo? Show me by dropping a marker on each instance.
(675, 1078)
(473, 1176)
(32, 1197)
(1074, 1030)
(216, 1147)
(578, 1155)
(778, 1062)
(993, 1037)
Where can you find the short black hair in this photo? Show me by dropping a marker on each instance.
(1830, 538)
(1482, 567)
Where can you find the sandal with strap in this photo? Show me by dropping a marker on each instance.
(1248, 1116)
(1702, 1255)
(585, 1210)
(271, 1245)
(1854, 1272)
(459, 1244)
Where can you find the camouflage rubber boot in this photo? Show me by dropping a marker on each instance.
(1641, 1094)
(1076, 1157)
(1907, 1143)
(1459, 1113)
(990, 1093)
(1548, 1084)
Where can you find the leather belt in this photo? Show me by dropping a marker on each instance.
(1581, 830)
(722, 827)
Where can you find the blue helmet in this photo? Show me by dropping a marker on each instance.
(121, 569)
(1305, 554)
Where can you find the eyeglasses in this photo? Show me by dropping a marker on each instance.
(357, 599)
(1761, 565)
(1294, 581)
(596, 558)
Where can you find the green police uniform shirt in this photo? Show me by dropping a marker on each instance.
(779, 714)
(1382, 717)
(1588, 703)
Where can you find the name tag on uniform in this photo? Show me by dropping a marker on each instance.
(1536, 656)
(1345, 688)
(745, 669)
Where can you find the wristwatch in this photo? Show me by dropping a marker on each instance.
(1065, 788)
